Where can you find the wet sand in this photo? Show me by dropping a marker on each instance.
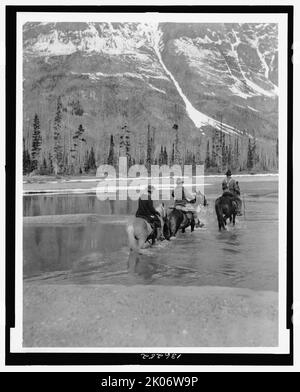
(148, 316)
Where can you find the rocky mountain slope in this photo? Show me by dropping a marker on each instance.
(202, 77)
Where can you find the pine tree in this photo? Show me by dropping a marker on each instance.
(77, 109)
(57, 159)
(214, 150)
(198, 159)
(50, 164)
(177, 155)
(277, 148)
(255, 156)
(172, 155)
(128, 145)
(161, 156)
(125, 146)
(165, 156)
(149, 149)
(111, 154)
(236, 153)
(78, 140)
(188, 158)
(26, 160)
(229, 154)
(194, 161)
(207, 158)
(44, 167)
(92, 160)
(224, 157)
(86, 164)
(36, 143)
(249, 155)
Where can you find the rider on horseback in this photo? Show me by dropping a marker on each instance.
(183, 199)
(231, 188)
(147, 211)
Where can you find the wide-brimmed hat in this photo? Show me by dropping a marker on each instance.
(228, 173)
(179, 181)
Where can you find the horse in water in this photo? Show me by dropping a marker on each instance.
(226, 208)
(180, 220)
(140, 231)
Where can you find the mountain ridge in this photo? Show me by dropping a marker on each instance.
(157, 74)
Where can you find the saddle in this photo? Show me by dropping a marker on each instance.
(187, 215)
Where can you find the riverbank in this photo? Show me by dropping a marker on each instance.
(148, 316)
(86, 184)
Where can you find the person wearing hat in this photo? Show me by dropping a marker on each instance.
(183, 199)
(147, 211)
(231, 188)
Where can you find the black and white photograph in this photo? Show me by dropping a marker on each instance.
(151, 183)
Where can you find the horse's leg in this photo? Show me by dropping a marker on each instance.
(233, 219)
(224, 223)
(132, 261)
(141, 242)
(220, 224)
(184, 224)
(192, 225)
(177, 228)
(172, 226)
(178, 224)
(166, 231)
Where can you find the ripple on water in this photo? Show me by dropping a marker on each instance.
(96, 251)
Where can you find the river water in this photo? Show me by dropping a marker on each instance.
(97, 252)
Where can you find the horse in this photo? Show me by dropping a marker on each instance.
(140, 231)
(226, 208)
(179, 219)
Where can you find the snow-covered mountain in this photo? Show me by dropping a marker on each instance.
(199, 76)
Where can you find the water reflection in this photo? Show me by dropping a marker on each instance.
(35, 205)
(58, 248)
(244, 256)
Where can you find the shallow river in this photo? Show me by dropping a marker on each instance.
(244, 256)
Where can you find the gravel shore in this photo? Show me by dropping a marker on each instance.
(148, 316)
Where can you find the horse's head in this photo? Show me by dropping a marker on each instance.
(162, 211)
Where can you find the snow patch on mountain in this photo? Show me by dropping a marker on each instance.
(52, 44)
(100, 37)
(236, 90)
(156, 89)
(199, 119)
(98, 75)
(251, 108)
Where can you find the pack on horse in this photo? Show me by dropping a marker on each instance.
(178, 219)
(148, 223)
(183, 214)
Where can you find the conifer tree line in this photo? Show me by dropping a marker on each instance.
(67, 153)
(65, 149)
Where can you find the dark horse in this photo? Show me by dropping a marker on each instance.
(226, 208)
(176, 220)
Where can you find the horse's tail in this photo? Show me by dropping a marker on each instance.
(133, 243)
